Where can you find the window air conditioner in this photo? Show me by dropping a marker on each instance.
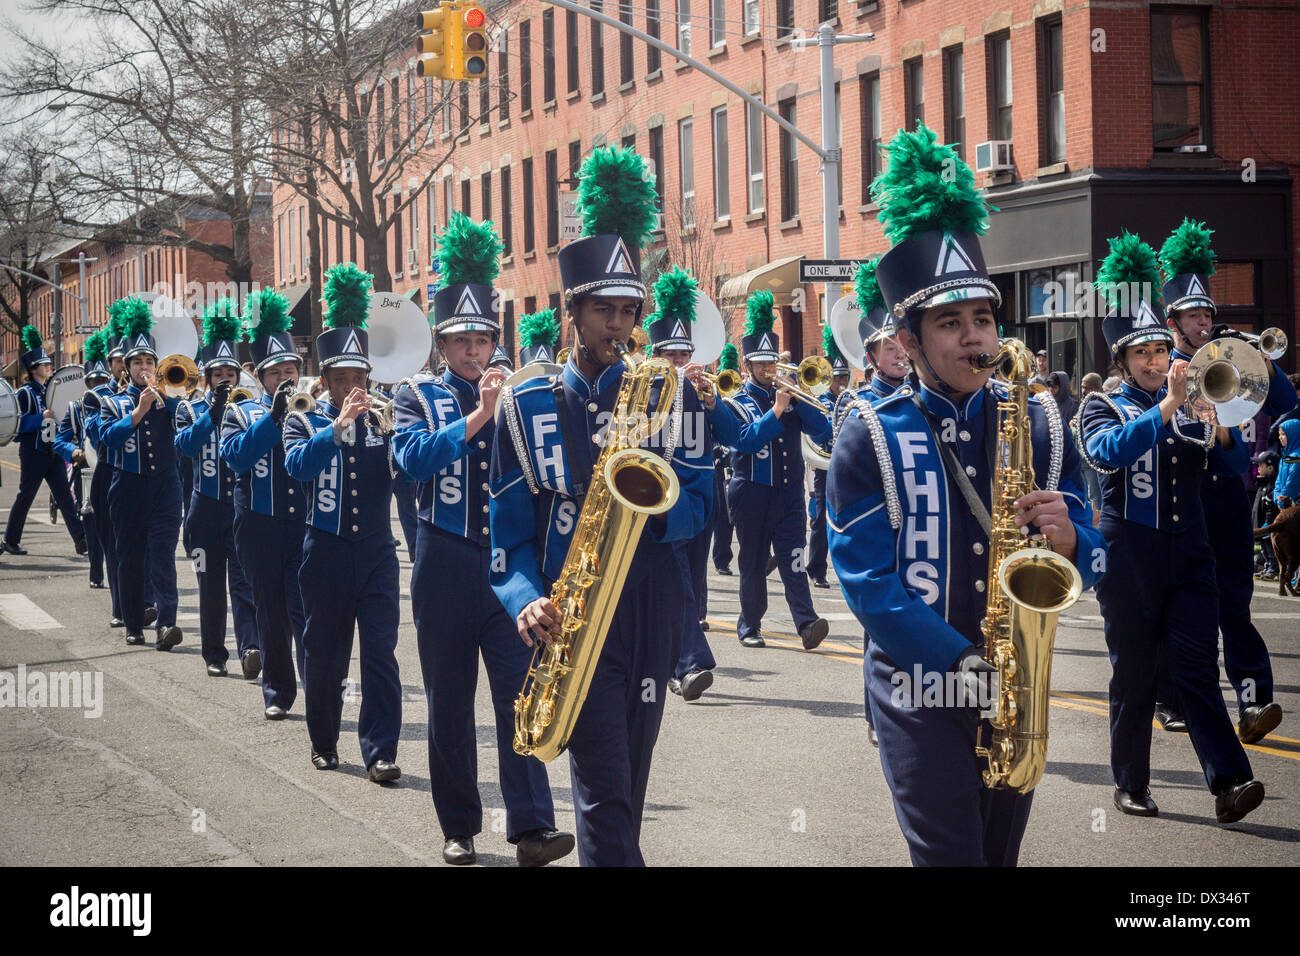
(993, 156)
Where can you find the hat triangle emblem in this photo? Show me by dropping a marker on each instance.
(353, 345)
(142, 342)
(468, 305)
(1145, 317)
(223, 350)
(679, 331)
(619, 259)
(952, 257)
(766, 343)
(543, 353)
(1195, 287)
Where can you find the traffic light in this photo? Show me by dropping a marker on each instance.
(473, 43)
(454, 46)
(433, 39)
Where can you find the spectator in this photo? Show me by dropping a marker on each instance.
(1058, 383)
(1041, 361)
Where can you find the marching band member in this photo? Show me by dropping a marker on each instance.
(842, 374)
(144, 499)
(1159, 593)
(539, 333)
(270, 512)
(540, 474)
(885, 356)
(103, 474)
(68, 444)
(908, 550)
(349, 560)
(766, 496)
(720, 517)
(36, 455)
(446, 432)
(210, 519)
(1188, 262)
(404, 493)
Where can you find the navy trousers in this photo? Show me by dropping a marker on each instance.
(347, 587)
(767, 521)
(817, 546)
(1158, 593)
(1245, 656)
(270, 552)
(210, 525)
(614, 737)
(99, 483)
(947, 815)
(186, 472)
(81, 497)
(452, 573)
(41, 467)
(720, 519)
(407, 513)
(695, 654)
(146, 516)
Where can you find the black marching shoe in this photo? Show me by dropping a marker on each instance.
(150, 615)
(459, 851)
(724, 571)
(217, 670)
(813, 633)
(695, 683)
(12, 548)
(675, 685)
(251, 662)
(704, 625)
(134, 639)
(1170, 719)
(820, 583)
(871, 736)
(276, 712)
(539, 847)
(384, 771)
(1231, 805)
(80, 545)
(96, 585)
(1136, 804)
(116, 622)
(169, 637)
(325, 759)
(1257, 721)
(753, 640)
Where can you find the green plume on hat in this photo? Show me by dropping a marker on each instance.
(32, 338)
(758, 312)
(221, 321)
(346, 297)
(1188, 250)
(137, 317)
(730, 358)
(268, 312)
(927, 187)
(675, 295)
(828, 343)
(616, 194)
(539, 328)
(468, 252)
(115, 317)
(95, 348)
(1130, 264)
(867, 288)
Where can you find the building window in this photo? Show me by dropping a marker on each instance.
(652, 61)
(446, 107)
(751, 18)
(528, 205)
(431, 218)
(999, 82)
(284, 246)
(293, 247)
(485, 190)
(338, 234)
(717, 23)
(506, 213)
(552, 200)
(657, 165)
(571, 35)
(686, 168)
(869, 84)
(1180, 108)
(914, 92)
(411, 101)
(784, 18)
(597, 52)
(1052, 82)
(548, 56)
(789, 163)
(503, 73)
(575, 159)
(684, 26)
(464, 107)
(381, 148)
(721, 179)
(525, 66)
(485, 103)
(626, 64)
(954, 99)
(466, 196)
(827, 10)
(396, 88)
(754, 156)
(448, 192)
(629, 142)
(398, 258)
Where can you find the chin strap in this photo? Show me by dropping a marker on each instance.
(943, 386)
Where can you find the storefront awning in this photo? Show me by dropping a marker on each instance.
(781, 276)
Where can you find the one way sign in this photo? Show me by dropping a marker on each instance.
(828, 270)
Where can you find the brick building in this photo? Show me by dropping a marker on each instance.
(1124, 114)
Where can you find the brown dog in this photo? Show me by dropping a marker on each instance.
(1285, 532)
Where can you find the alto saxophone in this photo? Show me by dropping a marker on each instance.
(1028, 589)
(628, 485)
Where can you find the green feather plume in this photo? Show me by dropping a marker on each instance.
(221, 321)
(675, 294)
(346, 297)
(468, 252)
(268, 312)
(32, 338)
(616, 194)
(927, 187)
(828, 343)
(114, 325)
(1188, 250)
(730, 358)
(867, 287)
(650, 319)
(1130, 264)
(95, 348)
(137, 317)
(758, 312)
(539, 328)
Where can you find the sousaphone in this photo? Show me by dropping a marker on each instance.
(400, 338)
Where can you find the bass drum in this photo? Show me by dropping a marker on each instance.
(65, 387)
(9, 414)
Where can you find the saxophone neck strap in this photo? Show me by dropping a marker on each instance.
(953, 466)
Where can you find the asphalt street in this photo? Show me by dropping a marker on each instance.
(771, 766)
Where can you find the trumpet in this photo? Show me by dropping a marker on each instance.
(241, 393)
(381, 412)
(814, 376)
(727, 382)
(1272, 342)
(178, 375)
(301, 400)
(562, 356)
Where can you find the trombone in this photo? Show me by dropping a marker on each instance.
(728, 383)
(814, 376)
(177, 375)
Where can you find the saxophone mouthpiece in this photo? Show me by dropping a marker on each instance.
(982, 361)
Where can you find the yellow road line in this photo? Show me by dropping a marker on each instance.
(10, 465)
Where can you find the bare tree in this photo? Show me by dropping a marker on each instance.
(28, 225)
(685, 243)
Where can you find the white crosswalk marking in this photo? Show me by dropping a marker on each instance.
(19, 611)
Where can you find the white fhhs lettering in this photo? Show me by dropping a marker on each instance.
(1195, 287)
(952, 258)
(468, 305)
(619, 260)
(353, 345)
